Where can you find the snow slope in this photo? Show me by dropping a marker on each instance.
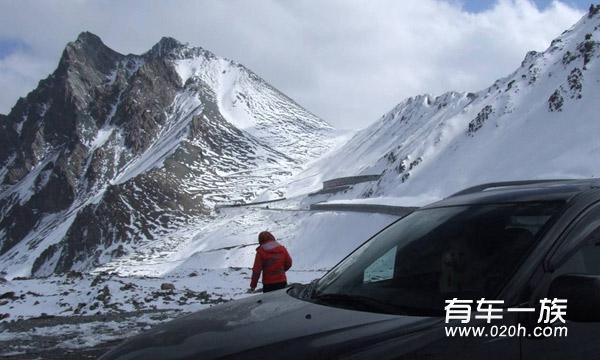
(540, 121)
(316, 240)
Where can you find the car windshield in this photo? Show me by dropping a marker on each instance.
(431, 255)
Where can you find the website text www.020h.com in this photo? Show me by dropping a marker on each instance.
(551, 311)
(505, 331)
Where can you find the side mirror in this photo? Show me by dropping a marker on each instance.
(582, 293)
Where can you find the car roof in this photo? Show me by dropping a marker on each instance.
(520, 191)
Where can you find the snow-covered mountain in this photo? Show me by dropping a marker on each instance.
(541, 121)
(113, 163)
(112, 151)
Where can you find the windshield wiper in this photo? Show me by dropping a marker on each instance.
(311, 288)
(357, 302)
(366, 303)
(303, 291)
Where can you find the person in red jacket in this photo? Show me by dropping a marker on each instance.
(273, 260)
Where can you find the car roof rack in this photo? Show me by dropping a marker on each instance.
(487, 186)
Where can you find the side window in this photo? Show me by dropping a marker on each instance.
(382, 268)
(582, 246)
(586, 260)
(582, 243)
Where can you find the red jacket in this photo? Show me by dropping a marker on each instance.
(273, 260)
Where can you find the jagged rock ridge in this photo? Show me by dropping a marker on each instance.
(112, 151)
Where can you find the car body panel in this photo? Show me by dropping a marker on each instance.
(499, 196)
(256, 323)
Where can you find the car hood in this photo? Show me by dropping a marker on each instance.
(267, 325)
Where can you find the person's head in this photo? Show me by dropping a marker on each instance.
(265, 237)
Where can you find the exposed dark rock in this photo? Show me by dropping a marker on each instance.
(402, 165)
(201, 296)
(391, 157)
(414, 163)
(555, 42)
(509, 85)
(594, 9)
(533, 74)
(18, 222)
(141, 111)
(529, 57)
(555, 101)
(103, 295)
(568, 57)
(477, 123)
(587, 49)
(128, 286)
(165, 46)
(45, 257)
(79, 308)
(10, 295)
(575, 86)
(167, 287)
(100, 278)
(74, 275)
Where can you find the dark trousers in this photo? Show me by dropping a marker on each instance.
(273, 287)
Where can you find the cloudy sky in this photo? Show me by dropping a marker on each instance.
(348, 61)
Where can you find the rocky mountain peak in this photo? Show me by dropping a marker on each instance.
(165, 47)
(114, 151)
(594, 10)
(88, 50)
(89, 38)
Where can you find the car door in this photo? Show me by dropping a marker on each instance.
(434, 343)
(577, 253)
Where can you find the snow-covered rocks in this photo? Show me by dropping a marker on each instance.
(74, 311)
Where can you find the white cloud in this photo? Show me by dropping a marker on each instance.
(347, 61)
